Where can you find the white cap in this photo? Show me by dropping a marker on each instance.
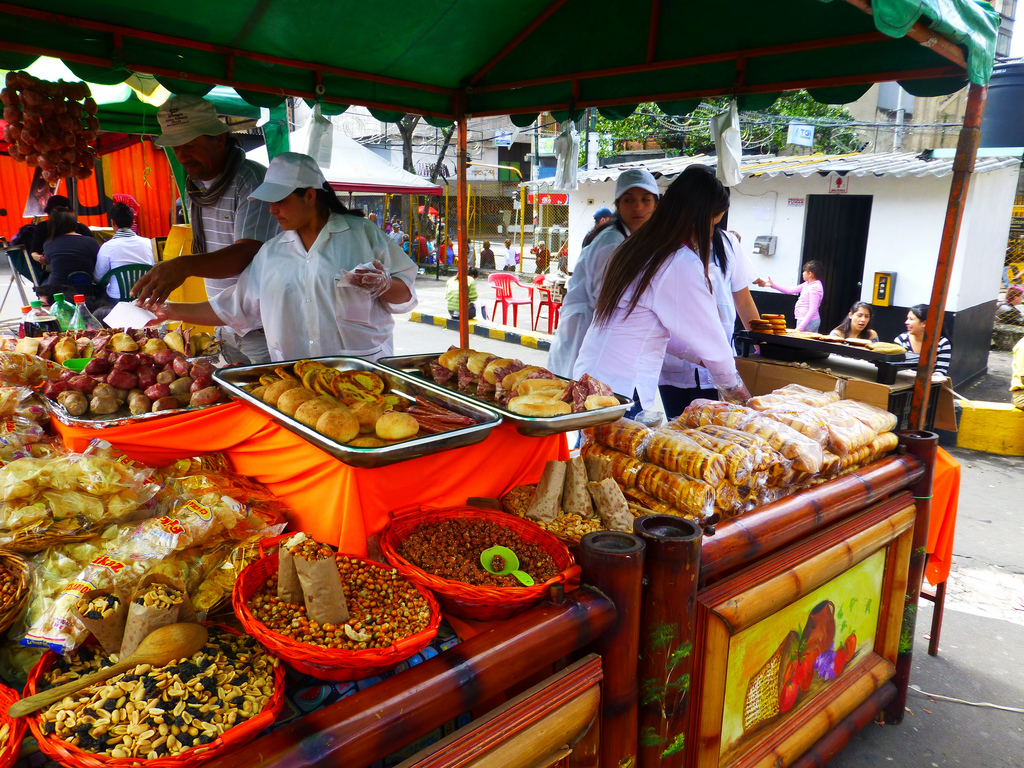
(183, 118)
(635, 177)
(287, 172)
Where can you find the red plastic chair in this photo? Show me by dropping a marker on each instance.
(502, 283)
(546, 301)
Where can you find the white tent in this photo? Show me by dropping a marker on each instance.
(354, 168)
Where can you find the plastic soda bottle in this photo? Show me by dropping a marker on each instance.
(62, 311)
(39, 321)
(83, 319)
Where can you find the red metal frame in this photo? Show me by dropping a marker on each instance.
(463, 213)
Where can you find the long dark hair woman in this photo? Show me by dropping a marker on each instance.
(857, 324)
(65, 251)
(329, 284)
(657, 297)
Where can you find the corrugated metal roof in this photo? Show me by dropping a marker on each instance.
(889, 164)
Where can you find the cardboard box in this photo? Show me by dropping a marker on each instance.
(848, 379)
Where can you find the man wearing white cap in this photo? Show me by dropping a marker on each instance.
(228, 227)
(636, 196)
(330, 284)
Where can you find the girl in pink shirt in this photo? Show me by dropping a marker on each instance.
(811, 292)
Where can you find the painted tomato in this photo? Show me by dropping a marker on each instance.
(788, 696)
(805, 672)
(851, 645)
(840, 662)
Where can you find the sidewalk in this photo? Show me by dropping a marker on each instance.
(433, 310)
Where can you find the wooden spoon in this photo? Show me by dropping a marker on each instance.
(160, 647)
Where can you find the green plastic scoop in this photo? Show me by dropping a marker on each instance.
(510, 567)
(77, 364)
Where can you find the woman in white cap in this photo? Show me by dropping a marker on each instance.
(636, 197)
(328, 285)
(657, 298)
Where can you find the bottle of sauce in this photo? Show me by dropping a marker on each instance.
(39, 321)
(21, 326)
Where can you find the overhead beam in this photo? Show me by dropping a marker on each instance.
(194, 45)
(512, 44)
(652, 32)
(926, 37)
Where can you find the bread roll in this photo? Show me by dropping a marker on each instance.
(278, 388)
(291, 399)
(495, 365)
(511, 381)
(367, 414)
(309, 412)
(453, 357)
(549, 387)
(478, 361)
(538, 406)
(339, 424)
(367, 442)
(397, 426)
(596, 402)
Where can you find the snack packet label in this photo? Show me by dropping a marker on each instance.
(7, 427)
(197, 509)
(114, 566)
(78, 587)
(171, 525)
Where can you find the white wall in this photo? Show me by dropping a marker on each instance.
(906, 228)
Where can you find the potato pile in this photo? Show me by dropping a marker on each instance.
(160, 380)
(70, 345)
(350, 407)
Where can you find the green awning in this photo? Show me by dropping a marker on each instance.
(510, 58)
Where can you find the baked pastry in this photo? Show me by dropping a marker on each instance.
(539, 405)
(339, 424)
(596, 402)
(309, 412)
(453, 357)
(367, 415)
(291, 399)
(550, 387)
(396, 426)
(278, 388)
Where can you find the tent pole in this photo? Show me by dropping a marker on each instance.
(463, 212)
(963, 167)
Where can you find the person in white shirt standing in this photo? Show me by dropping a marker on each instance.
(124, 248)
(329, 284)
(657, 298)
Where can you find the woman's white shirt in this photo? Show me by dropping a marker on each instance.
(304, 304)
(739, 274)
(677, 314)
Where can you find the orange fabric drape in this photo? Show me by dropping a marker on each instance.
(124, 171)
(942, 523)
(332, 501)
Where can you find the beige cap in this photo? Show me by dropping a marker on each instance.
(183, 118)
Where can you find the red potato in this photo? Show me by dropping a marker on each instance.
(144, 358)
(202, 382)
(207, 396)
(97, 367)
(146, 375)
(82, 383)
(127, 362)
(158, 391)
(67, 374)
(52, 389)
(201, 368)
(181, 365)
(165, 377)
(165, 404)
(164, 356)
(122, 379)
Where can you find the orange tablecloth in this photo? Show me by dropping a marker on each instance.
(332, 501)
(942, 524)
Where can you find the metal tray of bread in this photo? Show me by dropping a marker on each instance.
(234, 380)
(532, 426)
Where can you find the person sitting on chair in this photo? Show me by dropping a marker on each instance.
(124, 248)
(65, 252)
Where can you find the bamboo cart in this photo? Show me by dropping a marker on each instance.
(682, 669)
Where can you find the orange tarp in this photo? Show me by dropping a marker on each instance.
(942, 523)
(332, 501)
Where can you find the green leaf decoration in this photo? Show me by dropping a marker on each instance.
(682, 684)
(679, 654)
(649, 738)
(651, 692)
(907, 631)
(676, 746)
(662, 635)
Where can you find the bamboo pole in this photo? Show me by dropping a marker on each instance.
(463, 210)
(828, 746)
(793, 518)
(613, 562)
(923, 445)
(668, 617)
(369, 725)
(963, 167)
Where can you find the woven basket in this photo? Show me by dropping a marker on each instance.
(10, 611)
(12, 747)
(325, 663)
(471, 602)
(73, 757)
(761, 703)
(31, 542)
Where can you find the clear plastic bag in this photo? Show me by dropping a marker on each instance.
(702, 412)
(847, 433)
(681, 492)
(674, 450)
(793, 393)
(872, 416)
(806, 454)
(602, 461)
(739, 461)
(625, 436)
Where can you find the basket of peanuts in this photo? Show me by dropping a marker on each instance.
(177, 716)
(13, 588)
(330, 615)
(12, 730)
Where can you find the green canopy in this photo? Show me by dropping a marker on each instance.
(486, 57)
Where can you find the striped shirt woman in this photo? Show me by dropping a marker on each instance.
(913, 339)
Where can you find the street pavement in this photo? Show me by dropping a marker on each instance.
(981, 655)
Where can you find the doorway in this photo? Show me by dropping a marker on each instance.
(836, 234)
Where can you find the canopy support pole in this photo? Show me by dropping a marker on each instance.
(963, 167)
(463, 212)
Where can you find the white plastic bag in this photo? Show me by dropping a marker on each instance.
(725, 130)
(567, 154)
(321, 138)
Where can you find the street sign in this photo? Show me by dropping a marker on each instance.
(548, 198)
(503, 139)
(837, 185)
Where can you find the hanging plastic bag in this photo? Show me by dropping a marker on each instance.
(567, 154)
(321, 138)
(725, 130)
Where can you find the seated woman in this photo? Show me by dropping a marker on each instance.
(329, 284)
(913, 339)
(65, 251)
(857, 324)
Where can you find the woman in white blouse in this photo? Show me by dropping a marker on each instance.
(329, 284)
(657, 297)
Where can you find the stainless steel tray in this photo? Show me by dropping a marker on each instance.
(532, 426)
(231, 380)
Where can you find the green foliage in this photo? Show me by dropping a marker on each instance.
(763, 132)
(662, 636)
(649, 738)
(679, 654)
(676, 746)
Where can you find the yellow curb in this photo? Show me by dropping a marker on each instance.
(416, 317)
(991, 427)
(442, 321)
(528, 341)
(496, 333)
